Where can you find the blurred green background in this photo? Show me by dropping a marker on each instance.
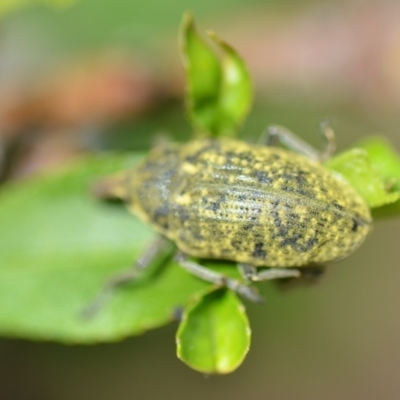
(309, 60)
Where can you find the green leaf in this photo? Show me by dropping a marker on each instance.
(386, 161)
(58, 247)
(203, 75)
(219, 92)
(357, 168)
(8, 6)
(214, 335)
(236, 95)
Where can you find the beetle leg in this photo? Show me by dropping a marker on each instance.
(329, 134)
(216, 278)
(277, 133)
(127, 276)
(309, 276)
(252, 274)
(247, 271)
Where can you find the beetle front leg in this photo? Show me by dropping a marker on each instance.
(251, 273)
(127, 276)
(216, 278)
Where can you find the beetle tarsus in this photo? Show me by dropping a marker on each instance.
(329, 134)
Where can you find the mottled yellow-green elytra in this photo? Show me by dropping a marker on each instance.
(226, 199)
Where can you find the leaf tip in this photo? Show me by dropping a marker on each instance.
(217, 40)
(187, 19)
(188, 26)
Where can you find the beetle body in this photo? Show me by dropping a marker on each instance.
(265, 206)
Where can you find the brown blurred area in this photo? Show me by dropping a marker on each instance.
(47, 121)
(347, 53)
(325, 54)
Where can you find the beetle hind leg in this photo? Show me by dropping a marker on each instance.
(310, 275)
(252, 274)
(216, 278)
(277, 133)
(285, 277)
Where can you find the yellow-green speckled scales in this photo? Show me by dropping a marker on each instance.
(227, 199)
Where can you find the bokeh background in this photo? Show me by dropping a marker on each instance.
(105, 74)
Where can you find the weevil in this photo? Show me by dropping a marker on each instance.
(255, 204)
